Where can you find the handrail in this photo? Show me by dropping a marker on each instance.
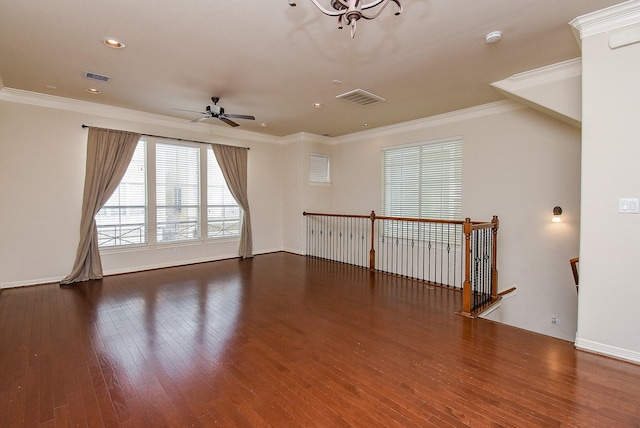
(413, 243)
(414, 219)
(337, 215)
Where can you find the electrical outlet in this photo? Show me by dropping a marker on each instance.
(555, 320)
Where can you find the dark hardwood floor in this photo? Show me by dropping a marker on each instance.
(285, 341)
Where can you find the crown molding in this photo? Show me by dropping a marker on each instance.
(429, 122)
(305, 137)
(610, 18)
(102, 110)
(543, 75)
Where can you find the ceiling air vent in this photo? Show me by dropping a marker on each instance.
(95, 76)
(360, 97)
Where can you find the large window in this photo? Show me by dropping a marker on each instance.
(170, 190)
(423, 181)
(177, 192)
(223, 213)
(123, 219)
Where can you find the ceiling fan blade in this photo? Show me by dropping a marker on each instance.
(228, 122)
(199, 119)
(239, 116)
(190, 111)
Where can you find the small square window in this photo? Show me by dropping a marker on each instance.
(318, 168)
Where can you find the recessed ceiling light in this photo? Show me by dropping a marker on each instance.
(365, 125)
(52, 87)
(318, 105)
(493, 37)
(113, 43)
(93, 91)
(337, 82)
(263, 124)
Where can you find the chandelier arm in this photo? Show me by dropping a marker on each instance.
(369, 17)
(328, 12)
(372, 4)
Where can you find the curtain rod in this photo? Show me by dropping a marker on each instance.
(174, 138)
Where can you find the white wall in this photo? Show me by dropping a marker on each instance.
(293, 206)
(42, 166)
(517, 164)
(300, 195)
(610, 250)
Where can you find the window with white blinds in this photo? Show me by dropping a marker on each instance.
(319, 168)
(423, 181)
(123, 219)
(177, 192)
(223, 212)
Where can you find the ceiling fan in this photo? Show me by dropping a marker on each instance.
(217, 112)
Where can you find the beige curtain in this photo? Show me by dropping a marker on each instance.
(109, 153)
(233, 163)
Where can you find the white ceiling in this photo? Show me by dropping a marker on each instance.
(273, 61)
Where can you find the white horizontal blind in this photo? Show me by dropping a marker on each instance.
(177, 192)
(223, 212)
(122, 220)
(423, 181)
(319, 168)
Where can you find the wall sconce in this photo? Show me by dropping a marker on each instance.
(557, 212)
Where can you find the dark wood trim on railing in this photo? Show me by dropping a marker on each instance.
(574, 269)
(478, 224)
(338, 215)
(494, 257)
(466, 287)
(372, 251)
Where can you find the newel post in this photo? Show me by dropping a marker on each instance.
(494, 257)
(372, 251)
(466, 287)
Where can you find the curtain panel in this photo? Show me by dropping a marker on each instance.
(109, 153)
(233, 163)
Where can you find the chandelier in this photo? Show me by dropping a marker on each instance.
(350, 11)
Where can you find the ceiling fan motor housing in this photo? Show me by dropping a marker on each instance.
(215, 110)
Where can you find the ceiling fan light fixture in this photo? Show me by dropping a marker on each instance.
(350, 11)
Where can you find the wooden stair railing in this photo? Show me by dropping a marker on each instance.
(574, 269)
(473, 247)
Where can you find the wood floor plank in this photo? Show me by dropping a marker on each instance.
(284, 340)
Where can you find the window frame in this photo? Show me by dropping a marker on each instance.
(151, 202)
(327, 175)
(145, 225)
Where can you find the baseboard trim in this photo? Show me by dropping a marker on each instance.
(31, 282)
(607, 350)
(109, 272)
(294, 251)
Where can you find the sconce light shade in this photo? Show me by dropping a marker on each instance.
(557, 212)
